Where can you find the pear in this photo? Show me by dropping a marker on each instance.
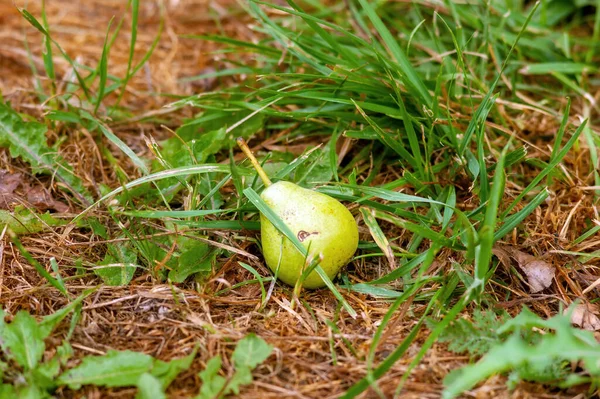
(321, 223)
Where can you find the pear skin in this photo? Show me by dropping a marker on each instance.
(317, 220)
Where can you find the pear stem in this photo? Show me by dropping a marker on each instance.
(261, 172)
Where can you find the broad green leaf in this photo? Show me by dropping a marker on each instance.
(3, 365)
(23, 340)
(212, 383)
(118, 266)
(28, 141)
(115, 369)
(201, 147)
(149, 388)
(196, 256)
(250, 352)
(23, 221)
(45, 374)
(318, 171)
(30, 391)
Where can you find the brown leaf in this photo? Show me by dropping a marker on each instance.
(585, 315)
(41, 199)
(539, 273)
(8, 184)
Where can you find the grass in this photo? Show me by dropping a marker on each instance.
(446, 129)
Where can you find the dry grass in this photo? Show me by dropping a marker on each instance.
(152, 318)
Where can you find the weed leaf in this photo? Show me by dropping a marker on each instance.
(149, 388)
(118, 265)
(115, 369)
(250, 352)
(212, 383)
(22, 340)
(28, 141)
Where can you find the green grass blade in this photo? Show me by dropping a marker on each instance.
(165, 174)
(40, 269)
(551, 165)
(103, 68)
(107, 132)
(483, 251)
(409, 75)
(31, 19)
(47, 52)
(135, 8)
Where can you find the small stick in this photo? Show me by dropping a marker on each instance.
(261, 172)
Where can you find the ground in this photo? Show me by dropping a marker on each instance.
(310, 359)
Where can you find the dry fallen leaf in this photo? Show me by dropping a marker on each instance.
(37, 196)
(539, 273)
(8, 184)
(585, 316)
(42, 200)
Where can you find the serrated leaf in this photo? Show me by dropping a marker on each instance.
(475, 337)
(28, 141)
(529, 351)
(212, 383)
(23, 340)
(318, 171)
(149, 388)
(250, 352)
(115, 369)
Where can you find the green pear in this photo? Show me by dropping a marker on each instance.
(321, 223)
